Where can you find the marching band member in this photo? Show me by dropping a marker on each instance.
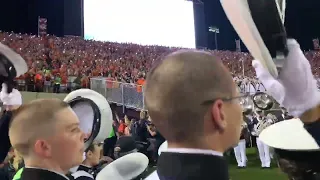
(253, 121)
(48, 133)
(298, 158)
(296, 90)
(264, 153)
(240, 149)
(200, 122)
(9, 106)
(12, 65)
(86, 170)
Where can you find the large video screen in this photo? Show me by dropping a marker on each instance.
(146, 22)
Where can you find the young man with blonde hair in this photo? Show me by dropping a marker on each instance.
(46, 133)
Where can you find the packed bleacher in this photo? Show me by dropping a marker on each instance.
(63, 64)
(54, 59)
(50, 57)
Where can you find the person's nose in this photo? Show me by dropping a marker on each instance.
(82, 136)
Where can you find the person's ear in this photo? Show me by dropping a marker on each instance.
(42, 148)
(218, 115)
(89, 154)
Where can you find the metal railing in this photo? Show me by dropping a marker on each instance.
(128, 95)
(132, 95)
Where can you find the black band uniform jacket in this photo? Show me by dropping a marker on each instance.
(190, 164)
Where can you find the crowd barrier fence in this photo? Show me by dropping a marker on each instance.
(124, 94)
(127, 95)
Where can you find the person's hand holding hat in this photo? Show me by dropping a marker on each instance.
(295, 88)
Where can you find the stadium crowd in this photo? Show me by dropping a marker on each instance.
(52, 60)
(63, 64)
(71, 61)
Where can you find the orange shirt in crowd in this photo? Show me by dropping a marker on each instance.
(140, 83)
(122, 128)
(64, 79)
(109, 82)
(38, 77)
(95, 73)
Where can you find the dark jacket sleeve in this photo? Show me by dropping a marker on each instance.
(314, 130)
(4, 135)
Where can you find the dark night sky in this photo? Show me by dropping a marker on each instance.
(302, 23)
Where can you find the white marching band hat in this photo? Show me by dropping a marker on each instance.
(11, 65)
(259, 24)
(94, 113)
(19, 64)
(289, 135)
(125, 168)
(163, 147)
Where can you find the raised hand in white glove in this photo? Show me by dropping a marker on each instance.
(295, 88)
(12, 99)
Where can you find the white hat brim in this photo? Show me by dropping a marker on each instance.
(238, 13)
(163, 147)
(85, 112)
(17, 61)
(289, 135)
(124, 168)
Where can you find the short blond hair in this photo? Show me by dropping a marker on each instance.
(33, 120)
(176, 89)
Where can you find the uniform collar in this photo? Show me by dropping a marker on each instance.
(49, 171)
(83, 167)
(194, 151)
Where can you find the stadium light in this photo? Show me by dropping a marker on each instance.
(216, 31)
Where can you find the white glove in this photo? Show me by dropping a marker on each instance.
(14, 98)
(253, 134)
(295, 88)
(269, 121)
(254, 130)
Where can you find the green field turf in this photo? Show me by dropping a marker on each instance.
(253, 170)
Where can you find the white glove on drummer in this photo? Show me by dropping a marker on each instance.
(12, 99)
(295, 88)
